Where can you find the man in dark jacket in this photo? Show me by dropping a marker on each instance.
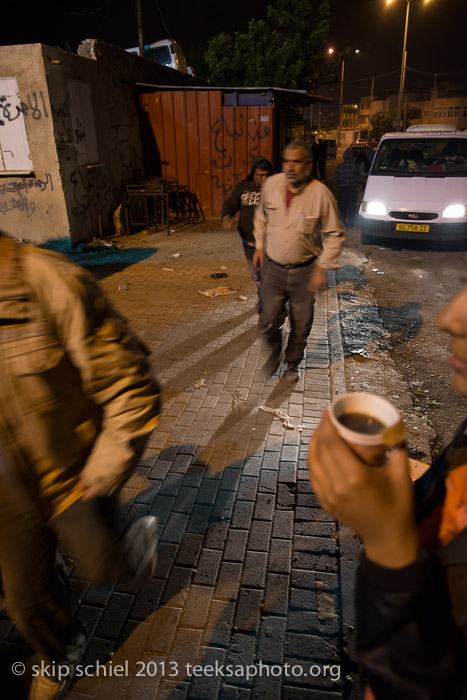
(244, 199)
(322, 156)
(348, 175)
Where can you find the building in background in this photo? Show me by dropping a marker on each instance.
(445, 105)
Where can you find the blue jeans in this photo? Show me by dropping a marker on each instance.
(254, 272)
(279, 285)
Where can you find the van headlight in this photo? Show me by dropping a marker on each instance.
(375, 208)
(454, 211)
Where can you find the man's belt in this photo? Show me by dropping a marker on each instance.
(292, 266)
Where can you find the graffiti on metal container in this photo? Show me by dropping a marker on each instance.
(238, 128)
(20, 189)
(217, 129)
(33, 106)
(258, 134)
(222, 163)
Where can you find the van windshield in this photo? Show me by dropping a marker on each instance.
(159, 54)
(421, 157)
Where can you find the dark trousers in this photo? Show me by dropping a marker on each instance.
(322, 167)
(36, 598)
(347, 203)
(279, 285)
(254, 272)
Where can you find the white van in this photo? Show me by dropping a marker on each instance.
(166, 52)
(417, 188)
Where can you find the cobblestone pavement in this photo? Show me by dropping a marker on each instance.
(248, 572)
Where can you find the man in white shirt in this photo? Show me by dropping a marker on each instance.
(298, 236)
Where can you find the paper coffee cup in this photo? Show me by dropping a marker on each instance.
(369, 423)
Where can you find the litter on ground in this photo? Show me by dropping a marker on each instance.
(287, 421)
(216, 291)
(101, 243)
(199, 383)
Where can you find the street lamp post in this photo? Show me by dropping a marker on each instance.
(404, 64)
(339, 124)
(339, 120)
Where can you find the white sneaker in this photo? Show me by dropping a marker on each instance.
(140, 547)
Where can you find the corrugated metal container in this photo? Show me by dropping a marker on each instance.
(206, 145)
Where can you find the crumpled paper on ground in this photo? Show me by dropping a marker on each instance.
(217, 291)
(287, 421)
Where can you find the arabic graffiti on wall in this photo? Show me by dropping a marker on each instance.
(33, 106)
(15, 195)
(90, 191)
(222, 163)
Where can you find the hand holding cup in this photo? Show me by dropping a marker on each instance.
(369, 424)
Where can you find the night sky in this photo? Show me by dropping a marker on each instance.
(436, 39)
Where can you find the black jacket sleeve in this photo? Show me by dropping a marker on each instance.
(232, 203)
(409, 645)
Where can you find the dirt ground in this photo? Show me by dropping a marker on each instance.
(389, 302)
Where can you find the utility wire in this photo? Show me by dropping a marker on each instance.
(163, 20)
(371, 77)
(91, 12)
(414, 70)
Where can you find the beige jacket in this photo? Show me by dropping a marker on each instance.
(77, 396)
(310, 227)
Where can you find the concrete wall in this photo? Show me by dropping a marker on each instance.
(89, 190)
(65, 197)
(33, 207)
(98, 191)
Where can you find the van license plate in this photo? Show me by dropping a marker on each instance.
(413, 227)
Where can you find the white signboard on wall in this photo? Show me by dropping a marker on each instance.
(14, 147)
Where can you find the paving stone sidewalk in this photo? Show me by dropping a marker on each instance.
(248, 580)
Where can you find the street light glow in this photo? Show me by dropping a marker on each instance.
(330, 50)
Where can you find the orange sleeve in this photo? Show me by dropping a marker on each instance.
(454, 513)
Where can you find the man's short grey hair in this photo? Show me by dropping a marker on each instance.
(298, 143)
